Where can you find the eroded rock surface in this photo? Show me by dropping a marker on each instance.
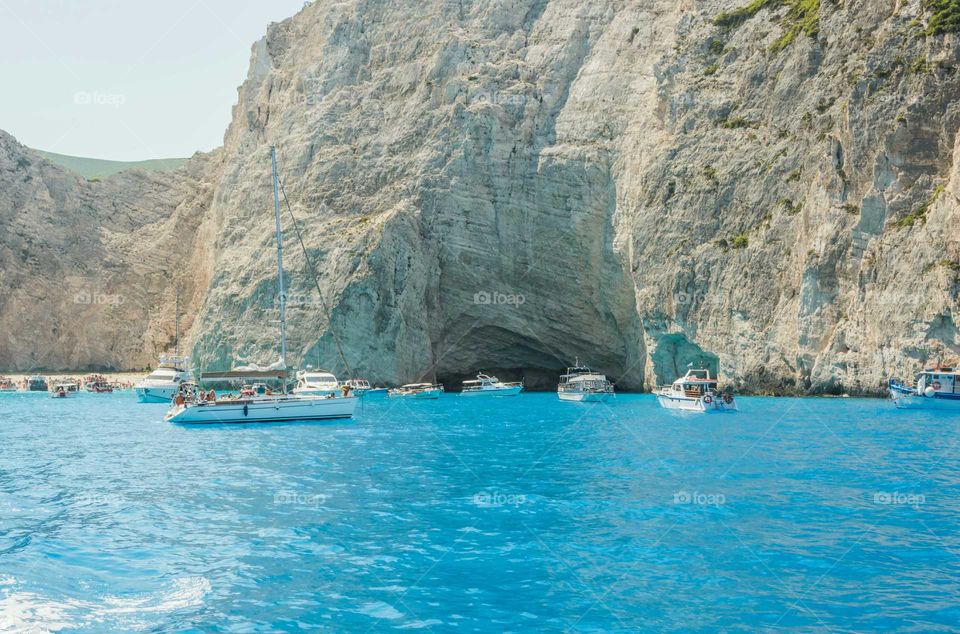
(506, 186)
(89, 270)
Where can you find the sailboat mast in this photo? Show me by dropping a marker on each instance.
(177, 319)
(283, 297)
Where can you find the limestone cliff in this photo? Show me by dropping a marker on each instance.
(88, 270)
(769, 186)
(509, 185)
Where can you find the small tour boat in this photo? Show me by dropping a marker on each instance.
(486, 385)
(376, 392)
(359, 387)
(937, 387)
(62, 390)
(696, 391)
(417, 390)
(97, 383)
(7, 384)
(261, 408)
(580, 383)
(36, 383)
(312, 382)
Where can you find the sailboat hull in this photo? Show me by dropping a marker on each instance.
(281, 409)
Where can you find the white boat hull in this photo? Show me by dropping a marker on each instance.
(264, 410)
(156, 393)
(584, 397)
(512, 390)
(689, 404)
(316, 391)
(427, 394)
(916, 401)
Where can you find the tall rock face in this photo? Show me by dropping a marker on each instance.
(88, 270)
(509, 185)
(771, 188)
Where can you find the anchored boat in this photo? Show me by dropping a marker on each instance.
(696, 391)
(200, 408)
(163, 383)
(36, 383)
(937, 387)
(417, 390)
(256, 405)
(62, 390)
(486, 385)
(316, 383)
(359, 387)
(97, 383)
(7, 385)
(580, 383)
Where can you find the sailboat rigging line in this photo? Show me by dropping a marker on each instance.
(316, 281)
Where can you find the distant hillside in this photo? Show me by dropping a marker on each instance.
(98, 168)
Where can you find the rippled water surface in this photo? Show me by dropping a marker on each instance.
(480, 515)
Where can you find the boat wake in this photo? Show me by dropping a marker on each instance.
(28, 612)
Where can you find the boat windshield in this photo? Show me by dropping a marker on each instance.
(163, 374)
(319, 378)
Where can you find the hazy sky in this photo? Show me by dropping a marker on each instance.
(126, 79)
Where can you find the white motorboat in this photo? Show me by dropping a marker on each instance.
(937, 387)
(486, 385)
(696, 391)
(358, 387)
(312, 382)
(417, 390)
(580, 383)
(261, 408)
(163, 383)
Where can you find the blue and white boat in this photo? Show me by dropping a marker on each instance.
(696, 391)
(937, 387)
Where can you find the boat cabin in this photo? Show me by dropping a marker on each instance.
(695, 383)
(482, 380)
(943, 380)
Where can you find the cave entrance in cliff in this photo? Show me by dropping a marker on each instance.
(673, 354)
(506, 354)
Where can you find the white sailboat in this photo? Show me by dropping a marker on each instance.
(262, 408)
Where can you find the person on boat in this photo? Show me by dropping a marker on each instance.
(346, 390)
(211, 395)
(179, 399)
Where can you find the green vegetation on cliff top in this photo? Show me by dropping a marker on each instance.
(95, 169)
(944, 16)
(803, 17)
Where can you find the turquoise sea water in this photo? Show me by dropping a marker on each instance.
(477, 515)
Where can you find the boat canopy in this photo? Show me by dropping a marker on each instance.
(244, 374)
